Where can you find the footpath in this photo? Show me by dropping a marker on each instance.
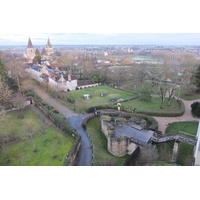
(187, 116)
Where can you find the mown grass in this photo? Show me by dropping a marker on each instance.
(187, 127)
(82, 104)
(152, 105)
(51, 144)
(101, 155)
(193, 96)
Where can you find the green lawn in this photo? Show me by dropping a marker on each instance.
(51, 144)
(82, 104)
(194, 96)
(153, 105)
(185, 154)
(187, 127)
(99, 141)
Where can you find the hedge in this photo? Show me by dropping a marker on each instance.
(61, 122)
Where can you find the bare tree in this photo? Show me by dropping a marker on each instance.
(171, 92)
(4, 135)
(17, 69)
(5, 92)
(162, 95)
(18, 102)
(29, 132)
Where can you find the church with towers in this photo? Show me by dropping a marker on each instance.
(46, 52)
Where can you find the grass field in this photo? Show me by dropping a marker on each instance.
(153, 105)
(101, 155)
(51, 144)
(194, 96)
(82, 104)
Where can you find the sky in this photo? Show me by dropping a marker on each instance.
(101, 38)
(104, 22)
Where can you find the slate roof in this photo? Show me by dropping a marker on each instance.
(88, 82)
(37, 52)
(43, 51)
(66, 77)
(36, 67)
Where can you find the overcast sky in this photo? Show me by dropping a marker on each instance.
(102, 39)
(67, 22)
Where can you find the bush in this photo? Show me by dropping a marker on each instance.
(196, 109)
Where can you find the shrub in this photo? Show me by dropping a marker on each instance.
(196, 109)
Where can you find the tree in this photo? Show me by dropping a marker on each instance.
(17, 69)
(162, 95)
(145, 95)
(196, 78)
(4, 135)
(29, 132)
(5, 92)
(171, 92)
(66, 62)
(196, 108)
(37, 59)
(97, 78)
(18, 102)
(2, 71)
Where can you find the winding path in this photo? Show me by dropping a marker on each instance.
(187, 116)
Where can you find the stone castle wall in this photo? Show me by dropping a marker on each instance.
(120, 146)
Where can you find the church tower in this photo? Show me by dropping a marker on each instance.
(49, 48)
(30, 52)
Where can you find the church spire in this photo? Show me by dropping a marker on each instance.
(30, 45)
(49, 44)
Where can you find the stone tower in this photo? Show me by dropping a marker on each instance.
(49, 48)
(30, 52)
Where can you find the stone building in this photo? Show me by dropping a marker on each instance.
(46, 52)
(30, 52)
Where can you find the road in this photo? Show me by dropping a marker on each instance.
(85, 153)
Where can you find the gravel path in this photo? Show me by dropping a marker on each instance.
(63, 110)
(187, 116)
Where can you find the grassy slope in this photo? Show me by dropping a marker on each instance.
(185, 154)
(51, 146)
(100, 144)
(153, 105)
